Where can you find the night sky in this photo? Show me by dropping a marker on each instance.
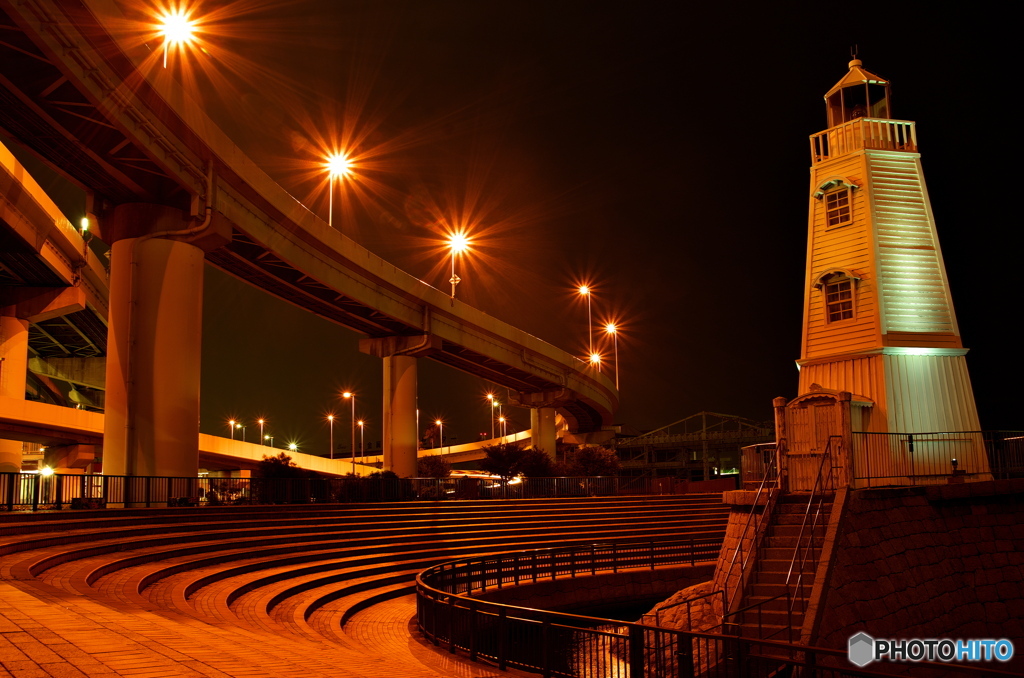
(655, 150)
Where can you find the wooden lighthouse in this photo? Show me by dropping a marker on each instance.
(881, 351)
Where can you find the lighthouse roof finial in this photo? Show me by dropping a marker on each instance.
(854, 61)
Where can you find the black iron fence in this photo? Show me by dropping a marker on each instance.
(35, 491)
(881, 459)
(575, 646)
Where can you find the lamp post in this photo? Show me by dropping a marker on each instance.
(585, 291)
(231, 425)
(457, 243)
(270, 438)
(490, 412)
(330, 420)
(352, 396)
(595, 360)
(502, 422)
(239, 425)
(293, 447)
(361, 425)
(612, 330)
(261, 422)
(338, 166)
(440, 434)
(496, 403)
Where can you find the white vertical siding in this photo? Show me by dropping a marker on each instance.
(929, 393)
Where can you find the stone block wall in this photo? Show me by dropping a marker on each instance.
(943, 561)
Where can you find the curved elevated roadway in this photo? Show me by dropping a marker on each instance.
(75, 93)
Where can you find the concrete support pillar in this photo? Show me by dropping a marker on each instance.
(543, 430)
(13, 370)
(400, 447)
(400, 434)
(151, 420)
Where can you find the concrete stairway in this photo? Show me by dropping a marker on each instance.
(305, 569)
(776, 617)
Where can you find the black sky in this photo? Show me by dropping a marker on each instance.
(657, 149)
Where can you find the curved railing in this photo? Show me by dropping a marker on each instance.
(552, 643)
(576, 646)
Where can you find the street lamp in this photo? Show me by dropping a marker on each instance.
(270, 438)
(177, 28)
(361, 425)
(330, 420)
(293, 447)
(338, 167)
(261, 422)
(440, 434)
(612, 330)
(585, 291)
(595, 360)
(231, 425)
(490, 412)
(457, 243)
(239, 425)
(352, 396)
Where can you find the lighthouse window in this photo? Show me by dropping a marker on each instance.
(837, 207)
(838, 298)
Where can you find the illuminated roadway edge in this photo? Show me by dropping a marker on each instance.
(278, 245)
(57, 425)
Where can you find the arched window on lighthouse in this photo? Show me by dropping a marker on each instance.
(839, 288)
(837, 197)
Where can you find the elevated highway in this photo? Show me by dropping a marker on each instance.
(73, 438)
(168, 188)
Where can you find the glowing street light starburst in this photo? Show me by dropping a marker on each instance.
(178, 29)
(338, 166)
(458, 242)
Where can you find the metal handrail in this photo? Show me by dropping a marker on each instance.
(772, 495)
(548, 642)
(759, 606)
(816, 497)
(34, 491)
(466, 575)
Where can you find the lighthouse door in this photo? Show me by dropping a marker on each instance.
(809, 424)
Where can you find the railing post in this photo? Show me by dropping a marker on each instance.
(11, 485)
(35, 491)
(149, 490)
(684, 655)
(58, 498)
(473, 614)
(451, 624)
(545, 646)
(502, 637)
(636, 651)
